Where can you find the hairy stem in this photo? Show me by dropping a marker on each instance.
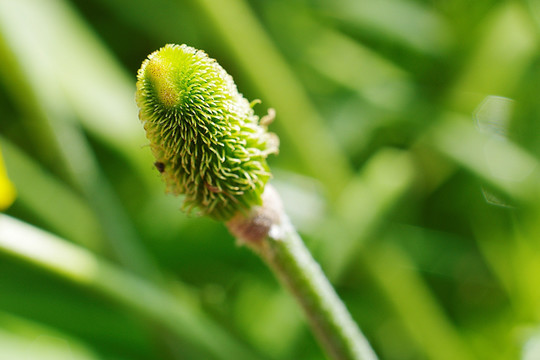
(269, 233)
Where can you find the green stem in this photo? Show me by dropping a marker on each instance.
(334, 327)
(268, 231)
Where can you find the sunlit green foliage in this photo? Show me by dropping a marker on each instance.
(410, 141)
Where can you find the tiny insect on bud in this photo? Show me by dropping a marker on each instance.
(160, 166)
(208, 143)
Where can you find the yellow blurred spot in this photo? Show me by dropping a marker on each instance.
(7, 190)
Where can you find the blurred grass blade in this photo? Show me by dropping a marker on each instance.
(421, 314)
(492, 118)
(353, 65)
(279, 324)
(515, 260)
(56, 75)
(43, 348)
(364, 203)
(507, 47)
(66, 55)
(38, 132)
(80, 64)
(503, 165)
(71, 262)
(415, 25)
(169, 19)
(50, 200)
(25, 340)
(360, 212)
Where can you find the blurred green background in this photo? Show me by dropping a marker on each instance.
(409, 149)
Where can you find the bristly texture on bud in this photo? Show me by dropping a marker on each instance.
(208, 143)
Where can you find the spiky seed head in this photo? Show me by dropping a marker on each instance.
(208, 143)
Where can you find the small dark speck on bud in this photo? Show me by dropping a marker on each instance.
(159, 166)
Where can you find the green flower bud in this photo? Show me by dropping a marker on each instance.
(208, 143)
